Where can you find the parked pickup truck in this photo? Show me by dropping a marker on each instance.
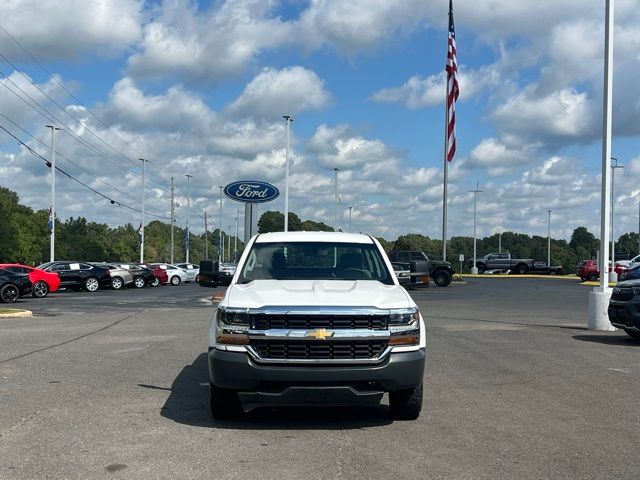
(503, 261)
(315, 318)
(441, 272)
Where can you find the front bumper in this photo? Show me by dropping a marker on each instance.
(624, 315)
(261, 384)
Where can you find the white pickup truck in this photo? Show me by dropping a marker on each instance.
(315, 318)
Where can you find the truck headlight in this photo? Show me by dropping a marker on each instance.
(404, 326)
(234, 316)
(232, 326)
(403, 316)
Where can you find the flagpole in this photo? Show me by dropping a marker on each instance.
(446, 168)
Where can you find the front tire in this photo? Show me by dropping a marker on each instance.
(592, 277)
(198, 278)
(91, 284)
(139, 282)
(481, 268)
(117, 283)
(9, 293)
(156, 282)
(40, 289)
(175, 280)
(442, 278)
(406, 404)
(224, 404)
(633, 333)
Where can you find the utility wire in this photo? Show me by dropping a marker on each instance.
(71, 177)
(55, 120)
(61, 85)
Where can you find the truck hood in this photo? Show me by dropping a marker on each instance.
(356, 293)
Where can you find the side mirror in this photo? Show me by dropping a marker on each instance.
(209, 274)
(420, 272)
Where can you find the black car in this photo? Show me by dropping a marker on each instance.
(142, 276)
(624, 307)
(79, 275)
(13, 286)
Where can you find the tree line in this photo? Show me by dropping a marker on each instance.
(24, 237)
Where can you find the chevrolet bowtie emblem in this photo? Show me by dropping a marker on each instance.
(320, 334)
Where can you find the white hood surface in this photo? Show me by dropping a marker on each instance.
(295, 293)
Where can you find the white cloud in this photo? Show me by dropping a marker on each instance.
(290, 90)
(207, 45)
(420, 92)
(563, 113)
(68, 28)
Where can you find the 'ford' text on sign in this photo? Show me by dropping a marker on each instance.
(249, 191)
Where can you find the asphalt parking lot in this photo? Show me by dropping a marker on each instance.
(114, 385)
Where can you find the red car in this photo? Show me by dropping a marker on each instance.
(161, 275)
(588, 270)
(43, 282)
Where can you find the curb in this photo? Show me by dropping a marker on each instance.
(549, 277)
(16, 313)
(597, 284)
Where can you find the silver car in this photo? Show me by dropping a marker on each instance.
(193, 271)
(120, 277)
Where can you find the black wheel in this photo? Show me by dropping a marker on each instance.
(117, 283)
(156, 282)
(91, 284)
(633, 333)
(592, 277)
(139, 282)
(198, 278)
(406, 404)
(40, 289)
(521, 269)
(224, 404)
(9, 293)
(442, 278)
(175, 280)
(481, 268)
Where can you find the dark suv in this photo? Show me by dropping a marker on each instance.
(624, 307)
(441, 272)
(79, 275)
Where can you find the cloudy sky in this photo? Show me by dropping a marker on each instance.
(200, 88)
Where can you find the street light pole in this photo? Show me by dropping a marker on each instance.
(476, 191)
(549, 240)
(144, 162)
(206, 237)
(598, 318)
(235, 242)
(172, 216)
(287, 120)
(187, 242)
(500, 242)
(220, 228)
(350, 209)
(335, 194)
(52, 207)
(613, 276)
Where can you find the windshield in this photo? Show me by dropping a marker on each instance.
(315, 261)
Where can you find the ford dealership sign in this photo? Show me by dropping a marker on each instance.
(249, 191)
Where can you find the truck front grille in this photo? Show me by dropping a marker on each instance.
(288, 321)
(318, 350)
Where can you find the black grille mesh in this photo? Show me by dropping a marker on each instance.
(318, 350)
(265, 322)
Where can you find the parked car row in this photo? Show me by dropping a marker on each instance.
(17, 280)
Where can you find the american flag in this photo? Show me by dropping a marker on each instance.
(453, 89)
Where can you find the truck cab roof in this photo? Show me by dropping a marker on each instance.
(341, 237)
